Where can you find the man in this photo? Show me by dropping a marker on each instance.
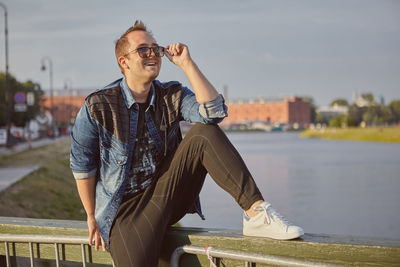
(135, 176)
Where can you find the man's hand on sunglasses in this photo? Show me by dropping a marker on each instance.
(178, 54)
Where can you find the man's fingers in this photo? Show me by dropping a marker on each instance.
(175, 49)
(91, 233)
(178, 49)
(177, 53)
(103, 245)
(172, 49)
(97, 240)
(168, 53)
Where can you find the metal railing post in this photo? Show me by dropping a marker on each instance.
(57, 255)
(55, 240)
(241, 256)
(13, 249)
(38, 250)
(90, 254)
(176, 256)
(7, 255)
(31, 253)
(63, 252)
(83, 255)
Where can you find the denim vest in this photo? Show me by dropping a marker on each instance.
(104, 132)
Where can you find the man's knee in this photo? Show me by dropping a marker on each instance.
(205, 129)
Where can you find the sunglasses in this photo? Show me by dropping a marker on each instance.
(145, 52)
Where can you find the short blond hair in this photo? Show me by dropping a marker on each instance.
(122, 44)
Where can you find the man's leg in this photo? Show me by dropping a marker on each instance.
(141, 221)
(133, 237)
(207, 149)
(140, 225)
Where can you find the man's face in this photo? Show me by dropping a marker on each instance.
(142, 69)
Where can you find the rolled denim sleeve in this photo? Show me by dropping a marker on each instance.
(84, 153)
(213, 111)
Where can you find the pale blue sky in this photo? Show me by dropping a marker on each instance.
(323, 49)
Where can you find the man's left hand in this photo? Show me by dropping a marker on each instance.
(178, 54)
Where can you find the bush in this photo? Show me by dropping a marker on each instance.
(338, 122)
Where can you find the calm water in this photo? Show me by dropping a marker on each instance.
(331, 187)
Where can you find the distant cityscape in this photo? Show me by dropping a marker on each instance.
(267, 114)
(264, 114)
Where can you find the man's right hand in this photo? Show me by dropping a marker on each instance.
(87, 192)
(94, 232)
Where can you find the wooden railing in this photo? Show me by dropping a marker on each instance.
(317, 248)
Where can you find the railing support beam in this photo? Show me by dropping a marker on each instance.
(241, 256)
(31, 253)
(7, 255)
(57, 255)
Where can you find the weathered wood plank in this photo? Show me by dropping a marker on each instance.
(344, 250)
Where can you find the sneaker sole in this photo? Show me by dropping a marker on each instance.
(277, 237)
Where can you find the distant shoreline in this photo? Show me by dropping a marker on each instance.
(368, 134)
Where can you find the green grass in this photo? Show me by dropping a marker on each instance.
(369, 134)
(47, 193)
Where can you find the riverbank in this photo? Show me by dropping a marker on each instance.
(49, 191)
(369, 134)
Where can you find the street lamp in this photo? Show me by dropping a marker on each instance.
(68, 87)
(43, 68)
(7, 90)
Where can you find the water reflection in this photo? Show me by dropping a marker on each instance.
(336, 187)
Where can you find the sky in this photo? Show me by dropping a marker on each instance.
(257, 48)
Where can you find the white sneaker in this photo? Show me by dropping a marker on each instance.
(269, 223)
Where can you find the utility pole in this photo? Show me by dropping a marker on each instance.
(68, 88)
(7, 90)
(50, 62)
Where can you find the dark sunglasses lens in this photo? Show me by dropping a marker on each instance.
(158, 51)
(144, 52)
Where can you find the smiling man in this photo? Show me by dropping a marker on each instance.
(136, 176)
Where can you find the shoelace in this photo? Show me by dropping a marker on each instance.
(271, 214)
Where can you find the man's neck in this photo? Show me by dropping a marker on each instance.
(139, 91)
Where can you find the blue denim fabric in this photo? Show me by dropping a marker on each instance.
(96, 151)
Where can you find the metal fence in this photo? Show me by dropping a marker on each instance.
(216, 254)
(56, 240)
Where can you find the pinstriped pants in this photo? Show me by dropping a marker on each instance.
(142, 220)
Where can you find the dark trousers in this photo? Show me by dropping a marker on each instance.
(141, 222)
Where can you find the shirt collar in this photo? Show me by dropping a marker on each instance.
(130, 100)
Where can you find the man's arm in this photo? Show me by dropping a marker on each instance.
(87, 193)
(84, 161)
(179, 54)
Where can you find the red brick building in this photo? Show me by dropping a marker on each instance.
(65, 108)
(285, 111)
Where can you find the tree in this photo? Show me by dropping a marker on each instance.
(395, 108)
(339, 102)
(338, 121)
(370, 116)
(320, 119)
(18, 118)
(369, 97)
(385, 115)
(355, 115)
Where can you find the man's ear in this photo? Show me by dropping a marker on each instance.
(122, 62)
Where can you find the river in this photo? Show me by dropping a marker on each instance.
(324, 186)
